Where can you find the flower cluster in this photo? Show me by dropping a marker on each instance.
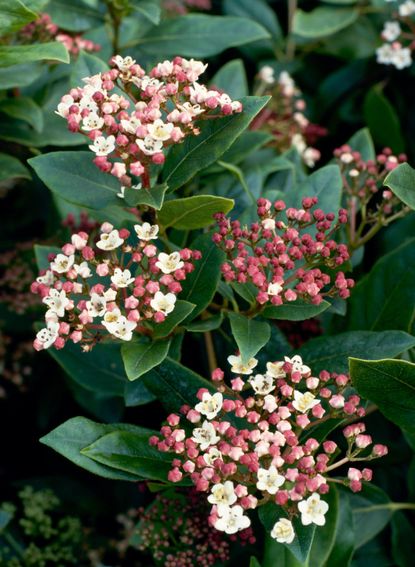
(398, 35)
(110, 287)
(253, 443)
(370, 205)
(184, 538)
(284, 116)
(182, 7)
(279, 255)
(17, 270)
(16, 364)
(43, 30)
(130, 133)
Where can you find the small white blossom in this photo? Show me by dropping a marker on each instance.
(238, 368)
(63, 107)
(193, 68)
(123, 63)
(266, 74)
(47, 279)
(211, 456)
(122, 278)
(313, 510)
(205, 435)
(62, 263)
(274, 288)
(131, 124)
(391, 31)
(262, 384)
(297, 364)
(223, 494)
(287, 83)
(210, 405)
(231, 520)
(92, 122)
(149, 146)
(169, 263)
(268, 224)
(270, 403)
(83, 270)
(269, 480)
(283, 531)
(275, 369)
(146, 231)
(97, 306)
(103, 146)
(110, 240)
(122, 328)
(57, 302)
(407, 8)
(304, 402)
(48, 335)
(163, 302)
(158, 130)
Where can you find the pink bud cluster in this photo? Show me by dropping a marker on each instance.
(183, 6)
(17, 270)
(369, 202)
(43, 30)
(109, 288)
(279, 255)
(253, 443)
(284, 117)
(130, 132)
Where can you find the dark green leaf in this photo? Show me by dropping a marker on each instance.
(204, 325)
(14, 15)
(86, 65)
(402, 182)
(23, 108)
(403, 540)
(181, 310)
(15, 54)
(250, 335)
(74, 15)
(295, 311)
(193, 212)
(153, 197)
(11, 168)
(362, 142)
(140, 357)
(20, 75)
(324, 536)
(150, 9)
(231, 78)
(323, 21)
(388, 131)
(343, 548)
(326, 184)
(258, 11)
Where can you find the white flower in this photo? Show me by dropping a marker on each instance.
(231, 520)
(83, 270)
(48, 335)
(110, 240)
(123, 63)
(391, 31)
(110, 294)
(47, 279)
(88, 103)
(266, 74)
(313, 510)
(304, 402)
(210, 405)
(57, 302)
(275, 369)
(347, 157)
(287, 83)
(297, 364)
(402, 58)
(111, 317)
(283, 531)
(274, 288)
(159, 130)
(149, 146)
(262, 384)
(268, 224)
(407, 8)
(103, 146)
(311, 156)
(163, 302)
(211, 456)
(62, 263)
(146, 231)
(165, 68)
(122, 328)
(270, 403)
(97, 306)
(193, 68)
(384, 54)
(146, 82)
(92, 122)
(122, 278)
(269, 480)
(168, 263)
(205, 435)
(192, 109)
(238, 368)
(65, 104)
(223, 494)
(298, 142)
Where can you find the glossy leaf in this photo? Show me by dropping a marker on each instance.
(86, 65)
(15, 54)
(401, 181)
(390, 384)
(150, 9)
(14, 15)
(343, 545)
(386, 132)
(181, 310)
(193, 212)
(250, 335)
(258, 11)
(323, 21)
(140, 357)
(295, 311)
(362, 142)
(74, 15)
(23, 108)
(153, 197)
(197, 152)
(11, 168)
(204, 325)
(231, 78)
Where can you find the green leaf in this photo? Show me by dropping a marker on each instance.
(258, 11)
(74, 177)
(185, 160)
(332, 352)
(270, 513)
(250, 335)
(136, 394)
(69, 438)
(388, 131)
(153, 197)
(254, 562)
(362, 142)
(323, 21)
(385, 298)
(140, 357)
(14, 15)
(401, 181)
(198, 35)
(15, 54)
(74, 15)
(247, 143)
(390, 384)
(403, 540)
(193, 212)
(23, 108)
(343, 547)
(11, 168)
(295, 311)
(181, 310)
(204, 325)
(175, 385)
(326, 184)
(131, 453)
(200, 285)
(20, 75)
(86, 65)
(324, 536)
(150, 9)
(231, 78)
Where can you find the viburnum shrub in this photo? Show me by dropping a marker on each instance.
(201, 222)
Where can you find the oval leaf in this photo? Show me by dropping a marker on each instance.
(193, 212)
(250, 335)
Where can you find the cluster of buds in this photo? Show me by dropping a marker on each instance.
(182, 7)
(43, 30)
(16, 361)
(252, 443)
(17, 270)
(175, 530)
(398, 35)
(109, 288)
(281, 258)
(130, 133)
(284, 116)
(370, 205)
